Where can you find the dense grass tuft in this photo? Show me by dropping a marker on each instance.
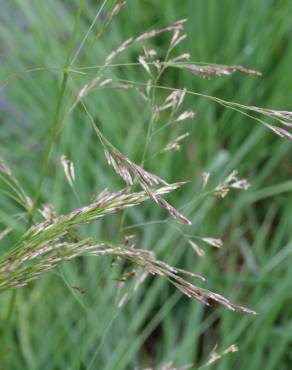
(75, 97)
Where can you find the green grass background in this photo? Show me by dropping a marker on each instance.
(54, 326)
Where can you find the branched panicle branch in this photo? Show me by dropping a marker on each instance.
(106, 203)
(19, 271)
(129, 170)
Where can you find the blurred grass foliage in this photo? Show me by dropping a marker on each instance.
(55, 326)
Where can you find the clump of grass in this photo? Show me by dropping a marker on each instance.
(44, 245)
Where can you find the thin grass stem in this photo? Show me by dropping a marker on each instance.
(57, 118)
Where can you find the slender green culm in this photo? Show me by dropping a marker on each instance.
(57, 118)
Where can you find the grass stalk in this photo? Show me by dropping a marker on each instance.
(57, 117)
